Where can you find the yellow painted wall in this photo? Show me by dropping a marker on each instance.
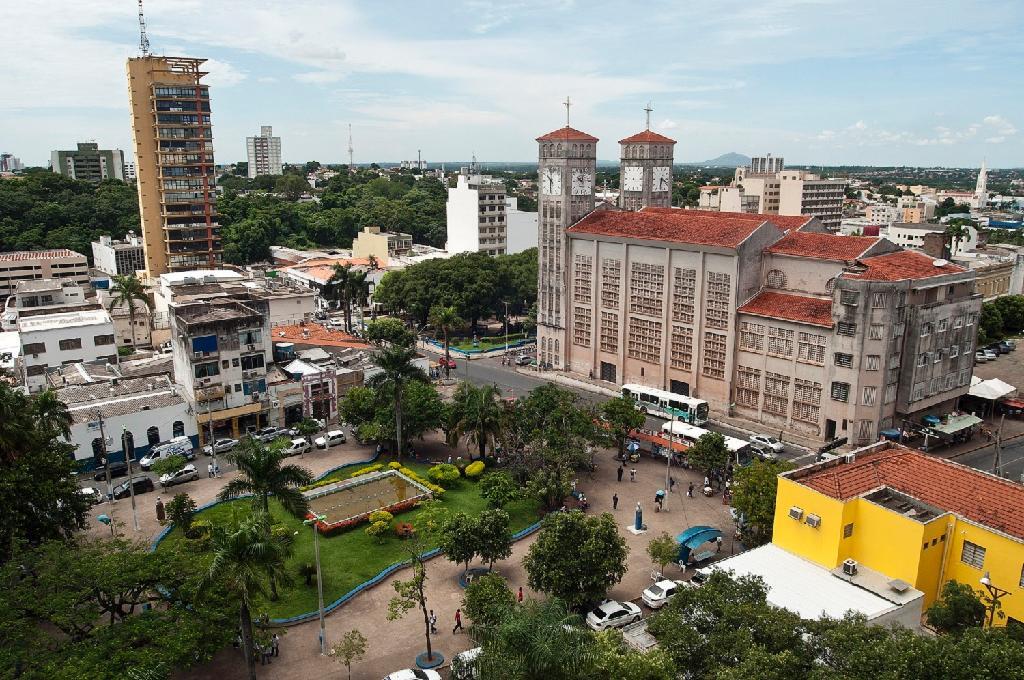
(1004, 558)
(821, 545)
(886, 541)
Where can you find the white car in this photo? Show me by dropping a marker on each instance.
(699, 577)
(980, 357)
(220, 446)
(613, 614)
(766, 441)
(297, 446)
(657, 594)
(414, 674)
(94, 495)
(332, 438)
(185, 474)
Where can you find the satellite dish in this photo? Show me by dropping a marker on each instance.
(940, 263)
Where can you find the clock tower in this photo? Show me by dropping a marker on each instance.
(645, 169)
(565, 193)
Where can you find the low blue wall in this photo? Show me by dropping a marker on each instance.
(511, 345)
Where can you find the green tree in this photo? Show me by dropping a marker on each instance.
(351, 647)
(493, 536)
(409, 595)
(445, 320)
(488, 600)
(583, 572)
(709, 453)
(990, 324)
(615, 660)
(389, 332)
(459, 540)
(169, 465)
(479, 415)
(397, 370)
(550, 485)
(292, 186)
(180, 510)
(246, 558)
(622, 417)
(753, 496)
(346, 287)
(308, 427)
(958, 609)
(128, 290)
(262, 475)
(498, 489)
(662, 550)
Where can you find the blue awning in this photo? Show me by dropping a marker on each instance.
(695, 536)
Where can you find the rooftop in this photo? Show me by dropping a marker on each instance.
(567, 133)
(900, 266)
(39, 285)
(45, 322)
(944, 485)
(775, 305)
(647, 136)
(23, 255)
(123, 397)
(699, 227)
(822, 246)
(198, 313)
(199, 276)
(316, 335)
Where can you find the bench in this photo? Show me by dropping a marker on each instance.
(697, 558)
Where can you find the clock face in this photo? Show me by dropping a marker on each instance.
(633, 179)
(661, 179)
(551, 181)
(582, 183)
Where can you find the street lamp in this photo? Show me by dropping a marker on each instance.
(311, 522)
(995, 594)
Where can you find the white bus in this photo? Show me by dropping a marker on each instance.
(741, 451)
(654, 401)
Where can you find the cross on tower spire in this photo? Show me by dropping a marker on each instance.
(648, 109)
(567, 103)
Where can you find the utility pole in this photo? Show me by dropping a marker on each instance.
(129, 457)
(213, 442)
(106, 456)
(506, 327)
(997, 459)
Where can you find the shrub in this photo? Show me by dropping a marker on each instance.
(499, 488)
(444, 474)
(461, 463)
(438, 490)
(168, 465)
(307, 571)
(367, 470)
(378, 530)
(199, 532)
(395, 465)
(381, 516)
(474, 469)
(180, 510)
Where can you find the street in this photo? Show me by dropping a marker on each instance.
(1011, 459)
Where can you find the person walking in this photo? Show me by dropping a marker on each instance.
(619, 474)
(519, 597)
(161, 514)
(458, 621)
(615, 501)
(433, 622)
(216, 470)
(671, 483)
(209, 470)
(718, 542)
(689, 491)
(275, 645)
(632, 474)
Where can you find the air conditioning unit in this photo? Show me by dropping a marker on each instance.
(849, 457)
(796, 513)
(252, 347)
(813, 521)
(198, 355)
(850, 567)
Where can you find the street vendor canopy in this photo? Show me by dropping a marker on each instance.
(955, 424)
(991, 389)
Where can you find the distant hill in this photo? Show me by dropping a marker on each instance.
(726, 160)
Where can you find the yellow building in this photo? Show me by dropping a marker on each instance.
(173, 142)
(910, 516)
(381, 245)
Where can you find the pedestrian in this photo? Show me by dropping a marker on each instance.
(209, 470)
(433, 622)
(449, 459)
(689, 492)
(615, 501)
(275, 645)
(216, 469)
(718, 542)
(619, 474)
(458, 621)
(671, 483)
(161, 514)
(707, 481)
(519, 597)
(632, 474)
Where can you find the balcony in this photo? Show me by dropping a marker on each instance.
(208, 394)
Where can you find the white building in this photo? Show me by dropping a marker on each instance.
(28, 265)
(476, 215)
(882, 213)
(51, 339)
(981, 188)
(40, 294)
(520, 227)
(118, 257)
(912, 235)
(129, 171)
(264, 153)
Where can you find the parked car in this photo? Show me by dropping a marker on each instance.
(269, 434)
(297, 446)
(1005, 347)
(92, 494)
(220, 446)
(700, 576)
(294, 431)
(116, 470)
(332, 438)
(464, 664)
(771, 442)
(613, 614)
(185, 474)
(180, 446)
(524, 360)
(141, 484)
(1011, 344)
(763, 452)
(414, 674)
(656, 595)
(992, 355)
(997, 349)
(981, 356)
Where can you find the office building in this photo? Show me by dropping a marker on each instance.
(51, 338)
(383, 246)
(475, 213)
(129, 171)
(520, 227)
(264, 152)
(119, 258)
(89, 163)
(173, 141)
(29, 265)
(10, 163)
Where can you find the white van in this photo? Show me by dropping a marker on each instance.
(181, 446)
(464, 665)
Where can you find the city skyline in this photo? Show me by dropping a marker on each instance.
(897, 85)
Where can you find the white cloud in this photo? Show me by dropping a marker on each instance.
(223, 74)
(668, 124)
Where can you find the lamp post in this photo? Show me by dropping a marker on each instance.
(311, 522)
(995, 594)
(506, 326)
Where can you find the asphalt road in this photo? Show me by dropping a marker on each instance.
(1011, 459)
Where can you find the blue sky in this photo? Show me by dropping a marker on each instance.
(816, 81)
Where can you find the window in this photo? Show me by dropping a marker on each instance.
(811, 348)
(714, 355)
(973, 555)
(780, 342)
(70, 343)
(583, 278)
(849, 297)
(99, 340)
(748, 386)
(806, 400)
(611, 275)
(39, 369)
(876, 331)
(840, 391)
(954, 351)
(681, 356)
(926, 329)
(864, 429)
(878, 300)
(868, 395)
(178, 429)
(646, 288)
(609, 332)
(847, 328)
(684, 283)
(35, 348)
(581, 326)
(207, 370)
(922, 359)
(153, 435)
(848, 530)
(251, 362)
(776, 279)
(872, 362)
(776, 393)
(830, 285)
(644, 341)
(943, 325)
(752, 337)
(843, 359)
(716, 308)
(972, 319)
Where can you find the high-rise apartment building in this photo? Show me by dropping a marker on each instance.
(475, 213)
(174, 162)
(264, 153)
(119, 257)
(89, 163)
(10, 163)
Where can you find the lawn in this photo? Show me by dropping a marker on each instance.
(488, 343)
(349, 558)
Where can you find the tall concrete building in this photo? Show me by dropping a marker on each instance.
(566, 171)
(475, 214)
(645, 169)
(981, 188)
(89, 163)
(264, 153)
(173, 142)
(119, 257)
(10, 163)
(31, 265)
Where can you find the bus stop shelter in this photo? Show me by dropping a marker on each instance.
(693, 538)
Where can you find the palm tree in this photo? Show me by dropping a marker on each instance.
(445, 320)
(127, 290)
(479, 415)
(262, 475)
(346, 286)
(245, 558)
(955, 232)
(396, 370)
(28, 422)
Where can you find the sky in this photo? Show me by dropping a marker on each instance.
(816, 81)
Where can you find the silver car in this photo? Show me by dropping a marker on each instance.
(185, 474)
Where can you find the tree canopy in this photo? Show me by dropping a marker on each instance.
(753, 496)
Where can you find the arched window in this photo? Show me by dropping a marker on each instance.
(558, 149)
(97, 448)
(641, 152)
(153, 435)
(776, 279)
(575, 150)
(128, 444)
(830, 285)
(556, 349)
(178, 429)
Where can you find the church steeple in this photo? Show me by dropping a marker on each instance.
(645, 169)
(981, 188)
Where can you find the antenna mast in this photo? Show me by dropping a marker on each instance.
(350, 164)
(143, 40)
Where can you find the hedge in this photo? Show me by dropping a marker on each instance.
(474, 469)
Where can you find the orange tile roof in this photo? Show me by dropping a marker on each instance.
(699, 227)
(822, 246)
(647, 136)
(23, 255)
(978, 496)
(799, 308)
(318, 336)
(902, 265)
(567, 133)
